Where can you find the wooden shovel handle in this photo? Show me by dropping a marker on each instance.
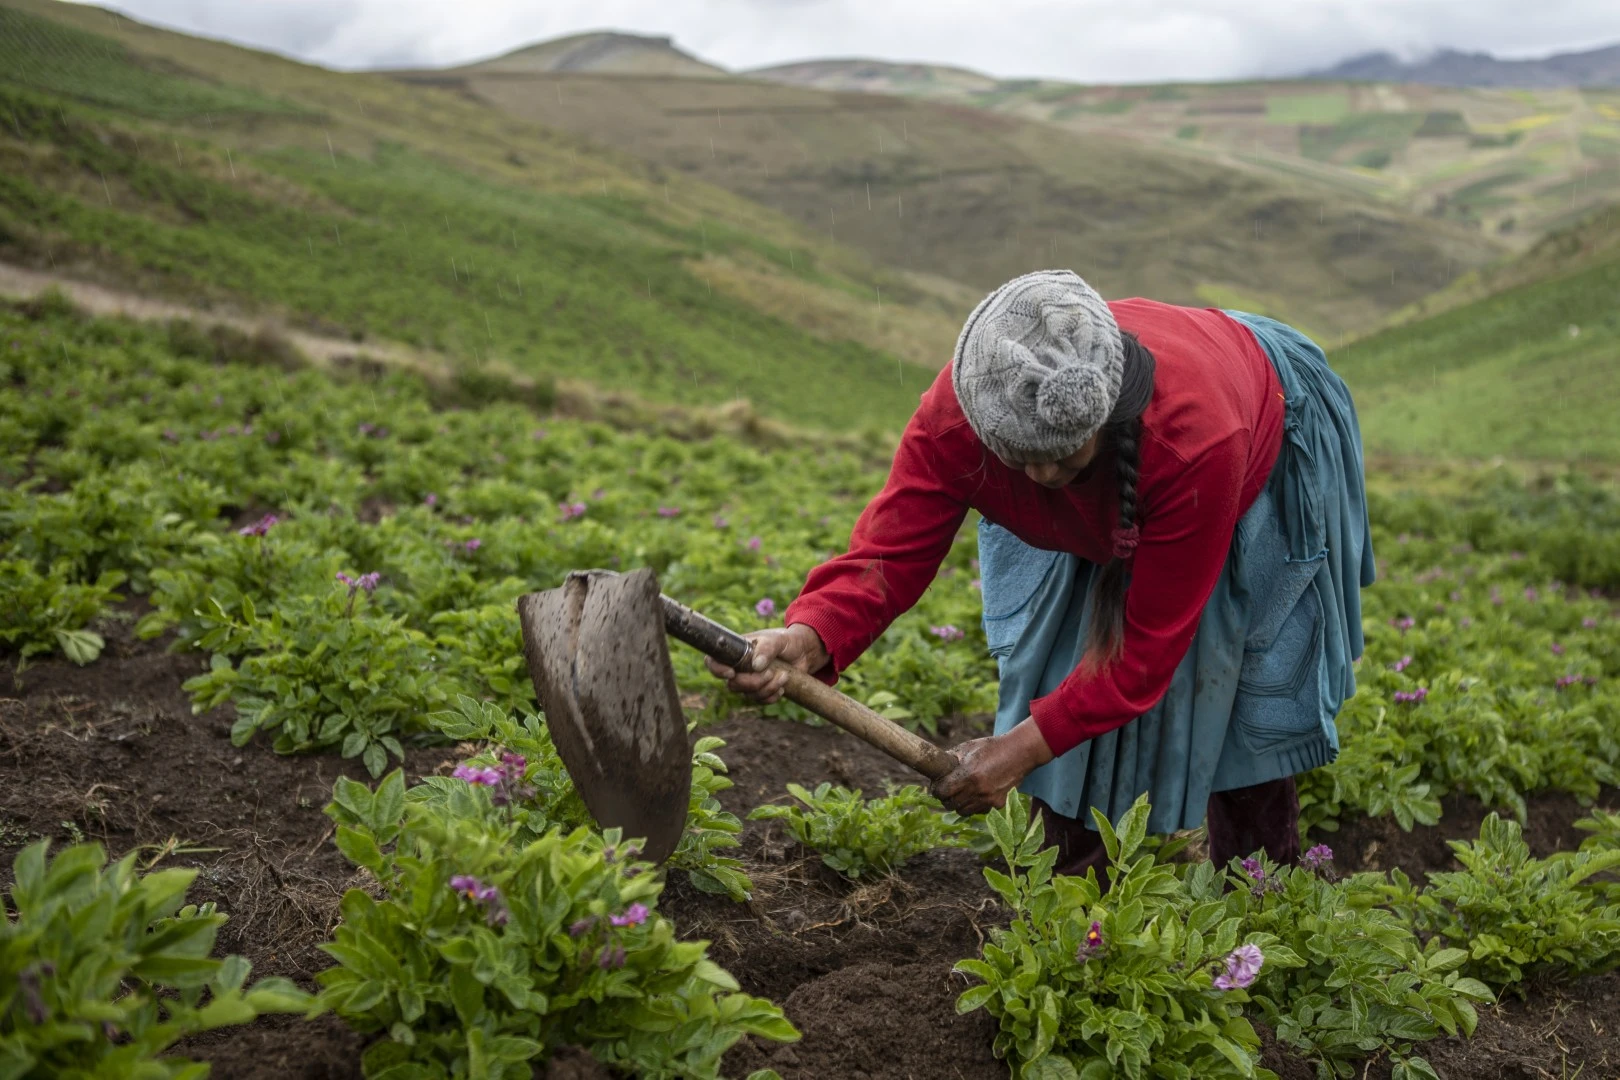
(904, 746)
(734, 650)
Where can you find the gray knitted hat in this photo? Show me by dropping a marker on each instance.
(1038, 366)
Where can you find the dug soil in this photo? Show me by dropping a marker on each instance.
(112, 752)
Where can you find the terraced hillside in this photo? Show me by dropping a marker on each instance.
(1514, 164)
(980, 197)
(352, 204)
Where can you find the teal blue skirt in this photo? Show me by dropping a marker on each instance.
(1255, 697)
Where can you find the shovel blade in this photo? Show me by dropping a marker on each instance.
(600, 664)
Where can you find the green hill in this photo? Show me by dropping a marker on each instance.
(356, 205)
(977, 196)
(1530, 370)
(1513, 164)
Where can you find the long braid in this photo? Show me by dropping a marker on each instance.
(1106, 639)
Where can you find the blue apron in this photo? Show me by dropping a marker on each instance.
(1255, 697)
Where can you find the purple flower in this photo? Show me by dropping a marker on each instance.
(1568, 680)
(581, 926)
(1317, 857)
(1242, 966)
(1557, 649)
(473, 889)
(754, 543)
(1092, 944)
(977, 584)
(1589, 623)
(596, 496)
(1402, 664)
(514, 764)
(634, 915)
(1403, 624)
(721, 523)
(570, 511)
(538, 433)
(473, 545)
(946, 632)
(260, 527)
(478, 774)
(170, 436)
(765, 608)
(1411, 697)
(1465, 622)
(1456, 596)
(669, 511)
(612, 956)
(1530, 594)
(430, 499)
(368, 582)
(1253, 868)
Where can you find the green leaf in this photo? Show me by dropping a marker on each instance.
(1050, 1067)
(80, 646)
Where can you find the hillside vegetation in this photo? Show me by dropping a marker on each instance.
(979, 197)
(352, 204)
(1529, 369)
(1512, 164)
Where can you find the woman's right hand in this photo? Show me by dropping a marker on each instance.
(796, 645)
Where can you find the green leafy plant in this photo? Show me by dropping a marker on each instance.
(103, 969)
(1519, 916)
(539, 793)
(1088, 985)
(1346, 978)
(486, 949)
(1604, 825)
(40, 613)
(319, 674)
(858, 836)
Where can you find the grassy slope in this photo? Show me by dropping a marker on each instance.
(348, 202)
(1532, 370)
(981, 197)
(1515, 164)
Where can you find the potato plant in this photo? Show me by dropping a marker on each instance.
(859, 837)
(1512, 916)
(523, 774)
(103, 969)
(1087, 984)
(487, 947)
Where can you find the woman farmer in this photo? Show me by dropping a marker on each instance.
(1173, 539)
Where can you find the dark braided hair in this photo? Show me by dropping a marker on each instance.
(1106, 639)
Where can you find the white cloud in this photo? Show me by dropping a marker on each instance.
(1083, 40)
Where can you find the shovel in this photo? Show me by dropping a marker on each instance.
(600, 663)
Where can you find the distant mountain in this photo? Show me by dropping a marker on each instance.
(1449, 67)
(876, 76)
(601, 53)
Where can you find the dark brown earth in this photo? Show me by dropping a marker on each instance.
(112, 752)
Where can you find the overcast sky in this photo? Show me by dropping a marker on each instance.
(1081, 40)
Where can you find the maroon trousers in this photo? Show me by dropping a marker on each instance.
(1241, 822)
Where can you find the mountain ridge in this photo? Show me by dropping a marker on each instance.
(1453, 67)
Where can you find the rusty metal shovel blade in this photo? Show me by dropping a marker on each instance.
(600, 664)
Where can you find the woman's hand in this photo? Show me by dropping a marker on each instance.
(989, 768)
(797, 645)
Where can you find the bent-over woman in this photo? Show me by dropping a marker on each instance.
(1173, 542)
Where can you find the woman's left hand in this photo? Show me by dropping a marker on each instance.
(989, 768)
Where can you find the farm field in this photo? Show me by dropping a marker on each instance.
(1514, 164)
(263, 620)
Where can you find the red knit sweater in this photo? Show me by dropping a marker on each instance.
(1210, 436)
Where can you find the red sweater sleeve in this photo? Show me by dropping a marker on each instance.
(899, 541)
(1186, 534)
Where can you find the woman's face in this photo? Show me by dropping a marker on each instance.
(1060, 473)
